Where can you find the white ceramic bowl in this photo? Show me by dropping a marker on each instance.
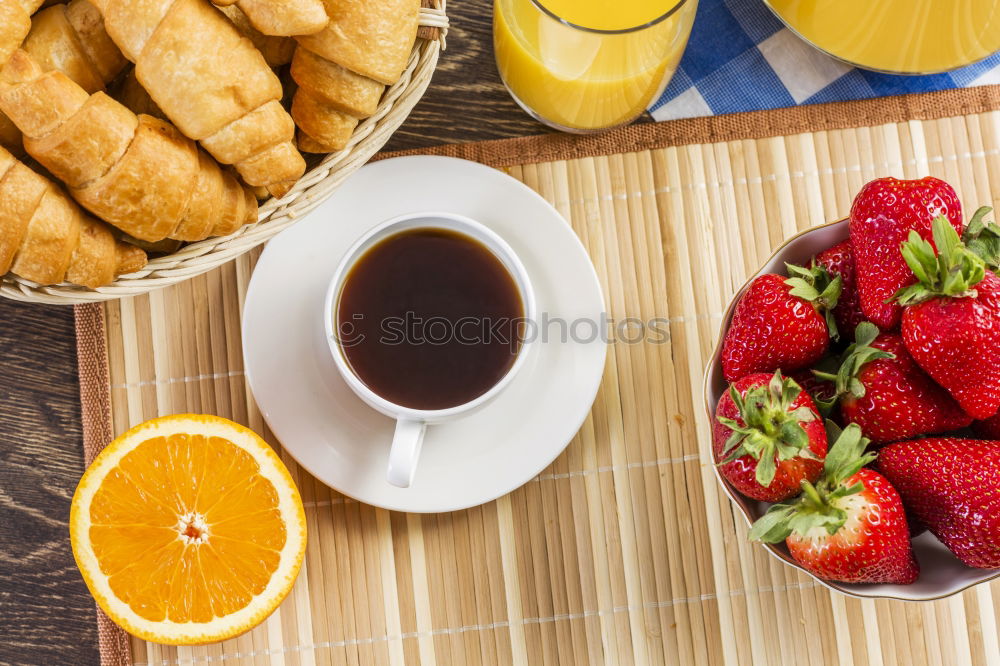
(941, 573)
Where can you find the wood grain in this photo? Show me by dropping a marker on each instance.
(46, 613)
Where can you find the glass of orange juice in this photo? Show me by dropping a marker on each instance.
(588, 65)
(897, 36)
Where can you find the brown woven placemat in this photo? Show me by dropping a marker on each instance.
(624, 551)
(95, 404)
(724, 128)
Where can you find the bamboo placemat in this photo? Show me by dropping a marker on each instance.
(624, 551)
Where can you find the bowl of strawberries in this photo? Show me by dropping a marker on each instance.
(854, 397)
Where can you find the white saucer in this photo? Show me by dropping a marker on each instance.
(343, 442)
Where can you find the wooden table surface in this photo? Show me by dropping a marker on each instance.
(46, 613)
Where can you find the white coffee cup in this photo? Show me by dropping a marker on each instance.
(411, 424)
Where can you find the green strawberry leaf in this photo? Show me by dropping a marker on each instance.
(766, 469)
(817, 286)
(945, 237)
(865, 333)
(793, 438)
(736, 397)
(833, 431)
(777, 386)
(855, 357)
(773, 526)
(846, 457)
(754, 411)
(769, 429)
(983, 238)
(919, 256)
(803, 415)
(815, 510)
(831, 519)
(800, 515)
(952, 271)
(802, 289)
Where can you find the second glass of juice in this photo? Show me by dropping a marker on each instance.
(589, 65)
(897, 36)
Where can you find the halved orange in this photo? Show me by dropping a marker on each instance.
(188, 529)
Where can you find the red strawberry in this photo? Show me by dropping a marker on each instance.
(849, 527)
(953, 487)
(768, 437)
(885, 392)
(779, 323)
(989, 428)
(983, 239)
(839, 260)
(883, 214)
(952, 318)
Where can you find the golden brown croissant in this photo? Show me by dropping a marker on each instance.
(370, 37)
(45, 237)
(212, 83)
(343, 70)
(329, 102)
(71, 38)
(15, 22)
(137, 172)
(277, 51)
(283, 18)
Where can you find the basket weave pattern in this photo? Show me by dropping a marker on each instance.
(276, 214)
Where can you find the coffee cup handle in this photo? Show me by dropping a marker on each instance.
(406, 443)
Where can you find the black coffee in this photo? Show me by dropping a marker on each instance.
(430, 319)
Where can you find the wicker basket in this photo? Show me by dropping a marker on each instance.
(275, 214)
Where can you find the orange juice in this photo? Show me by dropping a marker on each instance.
(909, 36)
(583, 65)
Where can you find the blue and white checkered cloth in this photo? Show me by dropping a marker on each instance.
(742, 58)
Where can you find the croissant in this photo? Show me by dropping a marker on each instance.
(137, 172)
(212, 83)
(370, 37)
(71, 38)
(15, 22)
(277, 51)
(329, 102)
(343, 70)
(46, 238)
(283, 18)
